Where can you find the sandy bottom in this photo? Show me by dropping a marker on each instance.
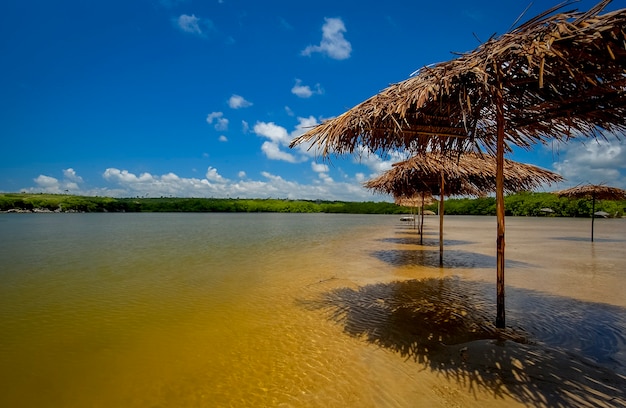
(565, 341)
(309, 311)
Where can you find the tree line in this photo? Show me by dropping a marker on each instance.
(24, 202)
(519, 204)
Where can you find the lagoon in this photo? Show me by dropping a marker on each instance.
(304, 310)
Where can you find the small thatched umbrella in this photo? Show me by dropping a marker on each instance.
(466, 174)
(416, 201)
(555, 77)
(594, 192)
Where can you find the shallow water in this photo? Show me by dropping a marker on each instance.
(293, 310)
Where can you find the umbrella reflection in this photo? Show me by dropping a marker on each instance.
(446, 325)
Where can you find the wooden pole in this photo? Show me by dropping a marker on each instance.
(441, 220)
(422, 222)
(500, 315)
(593, 211)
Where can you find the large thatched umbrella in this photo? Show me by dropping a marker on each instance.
(466, 174)
(594, 192)
(555, 77)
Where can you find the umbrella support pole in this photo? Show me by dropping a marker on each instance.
(441, 221)
(593, 213)
(422, 222)
(500, 315)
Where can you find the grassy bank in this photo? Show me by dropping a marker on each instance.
(521, 204)
(72, 203)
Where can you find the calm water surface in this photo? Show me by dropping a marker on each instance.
(293, 310)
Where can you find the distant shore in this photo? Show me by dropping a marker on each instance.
(520, 204)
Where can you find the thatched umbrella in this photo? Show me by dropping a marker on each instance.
(416, 201)
(555, 77)
(594, 192)
(466, 174)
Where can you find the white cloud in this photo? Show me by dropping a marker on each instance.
(223, 138)
(238, 102)
(221, 123)
(304, 125)
(123, 183)
(305, 91)
(46, 182)
(272, 151)
(319, 167)
(326, 179)
(189, 24)
(593, 161)
(279, 138)
(52, 185)
(71, 175)
(333, 42)
(213, 175)
(275, 133)
(376, 163)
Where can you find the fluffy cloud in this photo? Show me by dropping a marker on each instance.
(322, 172)
(319, 167)
(123, 183)
(280, 139)
(189, 24)
(333, 42)
(376, 163)
(305, 91)
(238, 102)
(221, 123)
(200, 27)
(272, 151)
(47, 184)
(213, 175)
(71, 175)
(277, 134)
(593, 161)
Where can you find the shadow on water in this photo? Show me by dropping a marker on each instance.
(426, 242)
(451, 258)
(545, 357)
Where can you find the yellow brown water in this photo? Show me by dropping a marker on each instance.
(306, 310)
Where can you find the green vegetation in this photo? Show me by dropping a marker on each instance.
(71, 203)
(531, 204)
(521, 204)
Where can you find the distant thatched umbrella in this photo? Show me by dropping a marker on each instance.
(593, 192)
(555, 77)
(416, 201)
(464, 174)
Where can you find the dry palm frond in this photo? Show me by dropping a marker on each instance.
(463, 174)
(597, 191)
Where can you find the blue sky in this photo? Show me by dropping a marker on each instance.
(192, 98)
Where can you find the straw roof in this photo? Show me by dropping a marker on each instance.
(596, 191)
(415, 200)
(467, 174)
(561, 76)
